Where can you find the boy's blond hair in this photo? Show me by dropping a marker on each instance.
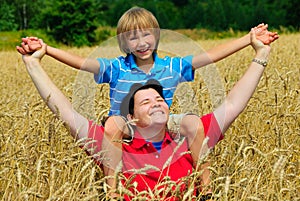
(134, 19)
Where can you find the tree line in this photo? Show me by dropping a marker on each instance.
(74, 22)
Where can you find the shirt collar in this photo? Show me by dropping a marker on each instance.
(138, 141)
(158, 63)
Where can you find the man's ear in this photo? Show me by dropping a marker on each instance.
(131, 119)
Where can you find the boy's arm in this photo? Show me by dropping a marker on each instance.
(32, 44)
(221, 51)
(238, 97)
(54, 98)
(75, 61)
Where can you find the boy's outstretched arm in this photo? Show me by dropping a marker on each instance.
(221, 51)
(58, 103)
(31, 44)
(238, 97)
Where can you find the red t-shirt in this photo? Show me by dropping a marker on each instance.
(144, 167)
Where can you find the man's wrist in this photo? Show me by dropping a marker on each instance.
(262, 62)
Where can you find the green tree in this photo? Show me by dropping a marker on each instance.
(192, 14)
(215, 16)
(7, 17)
(293, 10)
(168, 15)
(26, 12)
(71, 22)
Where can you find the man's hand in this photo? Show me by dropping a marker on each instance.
(29, 45)
(37, 55)
(265, 36)
(258, 45)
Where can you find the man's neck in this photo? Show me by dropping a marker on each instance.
(152, 134)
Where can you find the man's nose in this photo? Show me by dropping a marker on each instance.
(156, 104)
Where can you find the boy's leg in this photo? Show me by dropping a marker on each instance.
(190, 126)
(114, 131)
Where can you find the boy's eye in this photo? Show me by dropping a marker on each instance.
(132, 38)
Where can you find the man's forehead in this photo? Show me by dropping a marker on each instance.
(149, 92)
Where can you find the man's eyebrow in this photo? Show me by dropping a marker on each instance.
(144, 99)
(147, 99)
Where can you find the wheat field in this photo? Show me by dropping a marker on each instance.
(259, 158)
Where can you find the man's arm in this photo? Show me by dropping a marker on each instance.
(237, 99)
(221, 51)
(54, 98)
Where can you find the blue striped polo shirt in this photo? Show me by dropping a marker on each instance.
(121, 72)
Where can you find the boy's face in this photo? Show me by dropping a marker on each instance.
(141, 43)
(150, 108)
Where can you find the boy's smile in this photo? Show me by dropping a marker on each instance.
(141, 44)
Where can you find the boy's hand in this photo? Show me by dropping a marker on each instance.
(29, 45)
(265, 36)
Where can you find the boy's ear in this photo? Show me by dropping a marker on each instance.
(131, 119)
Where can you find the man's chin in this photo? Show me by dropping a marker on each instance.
(159, 119)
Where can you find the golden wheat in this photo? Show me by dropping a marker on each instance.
(257, 160)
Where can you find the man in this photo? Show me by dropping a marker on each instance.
(154, 155)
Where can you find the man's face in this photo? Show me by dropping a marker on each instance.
(150, 108)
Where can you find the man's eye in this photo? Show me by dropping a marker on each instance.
(144, 102)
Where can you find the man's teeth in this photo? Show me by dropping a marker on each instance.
(157, 112)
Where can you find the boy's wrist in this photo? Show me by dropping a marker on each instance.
(46, 49)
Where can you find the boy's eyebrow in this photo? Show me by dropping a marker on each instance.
(135, 31)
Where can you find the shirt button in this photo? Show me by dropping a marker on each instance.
(156, 156)
(148, 145)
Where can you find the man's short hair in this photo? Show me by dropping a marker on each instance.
(127, 105)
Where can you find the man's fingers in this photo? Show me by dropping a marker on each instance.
(260, 25)
(33, 38)
(34, 45)
(21, 50)
(26, 48)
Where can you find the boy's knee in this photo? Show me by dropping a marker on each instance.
(189, 125)
(114, 126)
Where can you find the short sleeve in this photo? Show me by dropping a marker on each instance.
(187, 68)
(183, 65)
(211, 129)
(105, 72)
(93, 144)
